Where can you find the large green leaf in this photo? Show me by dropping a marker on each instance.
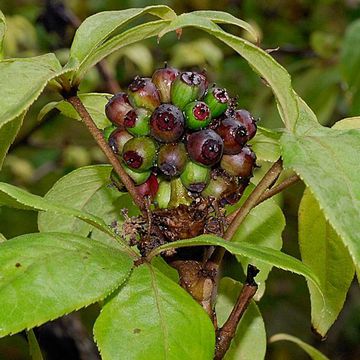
(96, 30)
(93, 102)
(13, 196)
(263, 226)
(251, 329)
(350, 55)
(153, 318)
(221, 17)
(273, 73)
(86, 189)
(24, 80)
(311, 351)
(348, 123)
(332, 263)
(8, 133)
(262, 253)
(2, 34)
(44, 276)
(327, 160)
(266, 144)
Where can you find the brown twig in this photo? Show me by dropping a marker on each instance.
(225, 334)
(99, 138)
(270, 193)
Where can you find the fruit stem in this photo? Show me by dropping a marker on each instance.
(99, 138)
(225, 334)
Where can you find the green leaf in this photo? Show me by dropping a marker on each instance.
(266, 144)
(262, 253)
(348, 123)
(86, 189)
(151, 317)
(350, 55)
(271, 71)
(332, 263)
(263, 226)
(326, 160)
(221, 17)
(93, 102)
(44, 276)
(13, 196)
(96, 31)
(251, 329)
(8, 134)
(2, 34)
(311, 351)
(34, 348)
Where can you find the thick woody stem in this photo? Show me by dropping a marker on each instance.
(226, 333)
(99, 138)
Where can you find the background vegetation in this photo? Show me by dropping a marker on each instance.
(315, 41)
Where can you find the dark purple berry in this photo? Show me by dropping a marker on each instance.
(217, 99)
(139, 153)
(240, 164)
(247, 120)
(172, 159)
(187, 87)
(205, 147)
(197, 115)
(195, 177)
(167, 123)
(149, 188)
(233, 134)
(117, 107)
(143, 93)
(163, 78)
(137, 122)
(118, 139)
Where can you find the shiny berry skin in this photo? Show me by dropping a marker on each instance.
(163, 78)
(195, 177)
(137, 122)
(138, 178)
(205, 147)
(163, 194)
(217, 99)
(149, 187)
(247, 120)
(167, 123)
(139, 153)
(240, 164)
(108, 130)
(117, 107)
(233, 134)
(187, 87)
(172, 159)
(197, 115)
(117, 139)
(143, 93)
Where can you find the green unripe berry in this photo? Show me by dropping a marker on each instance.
(197, 115)
(217, 99)
(163, 194)
(138, 178)
(108, 130)
(139, 153)
(137, 122)
(195, 177)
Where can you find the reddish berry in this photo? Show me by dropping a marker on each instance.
(240, 164)
(163, 78)
(117, 107)
(143, 93)
(233, 134)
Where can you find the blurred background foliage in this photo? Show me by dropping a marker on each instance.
(317, 41)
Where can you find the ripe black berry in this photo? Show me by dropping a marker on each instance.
(167, 123)
(172, 159)
(205, 147)
(233, 134)
(240, 164)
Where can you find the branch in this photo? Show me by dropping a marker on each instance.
(225, 334)
(99, 138)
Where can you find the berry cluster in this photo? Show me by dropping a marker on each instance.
(174, 128)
